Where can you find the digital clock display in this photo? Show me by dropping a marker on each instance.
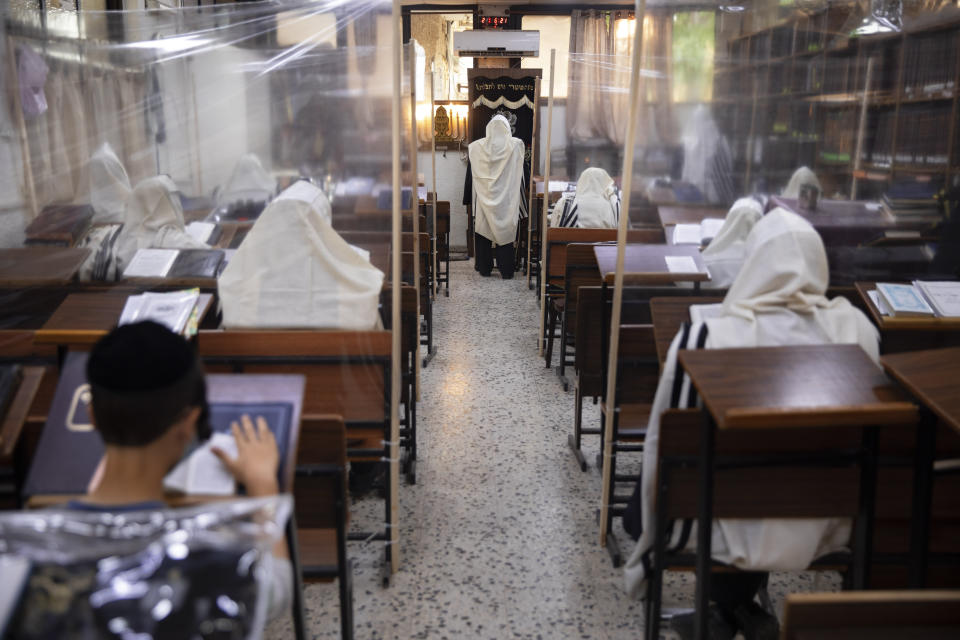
(493, 22)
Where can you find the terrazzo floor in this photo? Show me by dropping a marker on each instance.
(498, 537)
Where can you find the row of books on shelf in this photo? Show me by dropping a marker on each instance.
(930, 63)
(931, 299)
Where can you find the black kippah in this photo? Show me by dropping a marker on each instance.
(140, 357)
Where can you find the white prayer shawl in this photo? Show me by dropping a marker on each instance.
(153, 220)
(724, 255)
(109, 186)
(594, 205)
(249, 181)
(293, 270)
(800, 177)
(497, 165)
(777, 299)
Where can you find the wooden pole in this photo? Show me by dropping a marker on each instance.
(532, 188)
(433, 184)
(861, 128)
(393, 446)
(414, 197)
(546, 207)
(636, 66)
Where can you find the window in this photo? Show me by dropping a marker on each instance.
(434, 31)
(693, 45)
(554, 34)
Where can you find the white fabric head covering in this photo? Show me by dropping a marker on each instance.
(497, 165)
(154, 220)
(109, 186)
(778, 296)
(596, 200)
(724, 255)
(800, 177)
(249, 181)
(293, 270)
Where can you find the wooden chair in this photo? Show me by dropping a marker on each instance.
(872, 615)
(409, 348)
(759, 473)
(347, 374)
(638, 373)
(320, 503)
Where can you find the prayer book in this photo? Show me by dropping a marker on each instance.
(176, 310)
(904, 300)
(197, 263)
(201, 472)
(681, 264)
(697, 234)
(151, 263)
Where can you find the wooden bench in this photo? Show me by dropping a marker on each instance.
(872, 615)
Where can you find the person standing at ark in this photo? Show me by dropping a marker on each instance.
(496, 168)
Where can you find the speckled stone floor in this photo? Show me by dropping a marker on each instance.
(498, 537)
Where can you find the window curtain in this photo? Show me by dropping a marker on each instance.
(86, 106)
(598, 101)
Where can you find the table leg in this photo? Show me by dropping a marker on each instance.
(922, 498)
(704, 526)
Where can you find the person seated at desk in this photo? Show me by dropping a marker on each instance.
(148, 403)
(594, 205)
(496, 167)
(248, 190)
(777, 299)
(724, 256)
(293, 270)
(153, 220)
(110, 191)
(801, 177)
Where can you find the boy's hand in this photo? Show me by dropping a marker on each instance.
(255, 466)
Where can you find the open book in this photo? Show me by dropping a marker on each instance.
(176, 310)
(697, 234)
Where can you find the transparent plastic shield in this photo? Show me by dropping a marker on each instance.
(244, 150)
(202, 571)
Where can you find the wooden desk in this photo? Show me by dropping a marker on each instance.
(84, 318)
(39, 266)
(644, 264)
(848, 222)
(673, 214)
(909, 333)
(799, 387)
(668, 314)
(931, 378)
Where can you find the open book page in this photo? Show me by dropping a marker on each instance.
(202, 473)
(201, 231)
(878, 302)
(681, 264)
(686, 234)
(150, 263)
(944, 297)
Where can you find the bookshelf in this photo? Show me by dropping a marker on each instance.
(800, 92)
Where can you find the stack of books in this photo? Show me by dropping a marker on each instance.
(912, 202)
(919, 299)
(177, 310)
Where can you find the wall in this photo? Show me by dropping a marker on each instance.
(450, 173)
